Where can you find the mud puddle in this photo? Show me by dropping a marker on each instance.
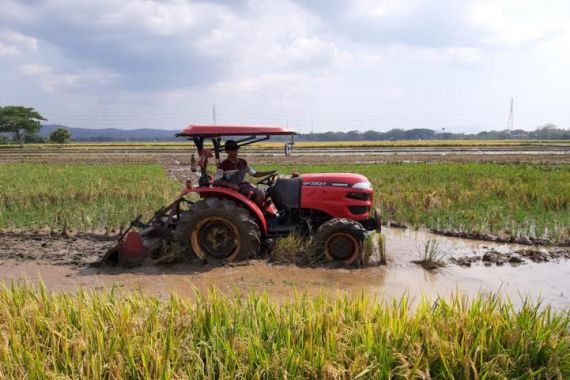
(61, 265)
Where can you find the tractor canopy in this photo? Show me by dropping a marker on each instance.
(243, 135)
(209, 131)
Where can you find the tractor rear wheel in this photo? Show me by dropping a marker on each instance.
(340, 240)
(219, 229)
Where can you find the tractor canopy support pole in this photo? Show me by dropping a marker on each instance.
(255, 141)
(217, 144)
(199, 142)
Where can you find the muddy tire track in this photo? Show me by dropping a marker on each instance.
(77, 251)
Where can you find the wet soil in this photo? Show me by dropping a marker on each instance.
(48, 249)
(62, 264)
(546, 154)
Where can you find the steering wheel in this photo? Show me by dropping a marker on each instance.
(268, 180)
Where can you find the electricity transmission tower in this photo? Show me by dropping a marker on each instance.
(510, 122)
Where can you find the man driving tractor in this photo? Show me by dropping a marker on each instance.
(231, 173)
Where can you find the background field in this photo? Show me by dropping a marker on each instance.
(80, 196)
(531, 200)
(511, 200)
(183, 144)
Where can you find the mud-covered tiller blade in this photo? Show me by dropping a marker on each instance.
(133, 247)
(128, 251)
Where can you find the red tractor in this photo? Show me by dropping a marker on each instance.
(336, 209)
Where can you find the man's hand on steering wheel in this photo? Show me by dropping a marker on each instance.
(269, 180)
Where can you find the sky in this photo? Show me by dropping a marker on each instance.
(310, 65)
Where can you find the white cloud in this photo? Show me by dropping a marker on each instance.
(12, 43)
(376, 9)
(53, 81)
(519, 22)
(307, 51)
(293, 58)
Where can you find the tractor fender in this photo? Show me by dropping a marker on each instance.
(224, 192)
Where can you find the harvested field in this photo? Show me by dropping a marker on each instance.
(304, 153)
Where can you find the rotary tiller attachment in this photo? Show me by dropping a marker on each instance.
(134, 247)
(128, 252)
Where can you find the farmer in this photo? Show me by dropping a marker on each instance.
(231, 173)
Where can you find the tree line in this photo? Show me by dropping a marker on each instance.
(545, 132)
(21, 125)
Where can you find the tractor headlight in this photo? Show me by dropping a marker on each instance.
(362, 185)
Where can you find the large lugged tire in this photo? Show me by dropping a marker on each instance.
(219, 229)
(340, 240)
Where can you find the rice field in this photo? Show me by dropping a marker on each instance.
(106, 335)
(486, 198)
(80, 197)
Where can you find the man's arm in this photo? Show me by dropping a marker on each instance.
(263, 174)
(254, 173)
(220, 181)
(224, 183)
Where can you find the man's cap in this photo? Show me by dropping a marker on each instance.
(231, 145)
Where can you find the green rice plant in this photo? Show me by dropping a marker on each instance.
(368, 249)
(291, 249)
(96, 335)
(480, 198)
(374, 248)
(430, 256)
(80, 197)
(381, 244)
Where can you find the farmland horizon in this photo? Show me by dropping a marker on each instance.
(544, 132)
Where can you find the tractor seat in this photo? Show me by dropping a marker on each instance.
(286, 192)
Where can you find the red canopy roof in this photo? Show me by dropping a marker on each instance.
(233, 130)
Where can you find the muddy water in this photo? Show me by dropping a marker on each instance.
(547, 279)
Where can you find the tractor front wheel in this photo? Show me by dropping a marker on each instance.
(219, 229)
(340, 240)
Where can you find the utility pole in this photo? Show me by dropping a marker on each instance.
(214, 114)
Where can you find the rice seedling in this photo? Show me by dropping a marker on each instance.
(430, 256)
(381, 243)
(374, 249)
(294, 248)
(107, 335)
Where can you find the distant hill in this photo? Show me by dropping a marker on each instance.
(113, 134)
(546, 132)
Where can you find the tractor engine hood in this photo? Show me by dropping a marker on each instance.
(347, 180)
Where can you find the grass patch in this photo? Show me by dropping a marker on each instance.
(80, 196)
(292, 249)
(102, 335)
(381, 245)
(431, 257)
